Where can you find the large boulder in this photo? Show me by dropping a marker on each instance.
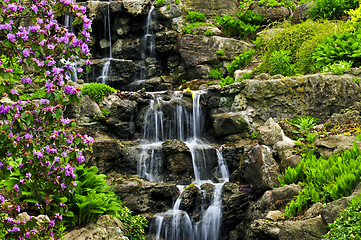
(225, 124)
(199, 49)
(270, 133)
(301, 12)
(270, 13)
(170, 10)
(136, 7)
(310, 229)
(213, 8)
(334, 144)
(259, 168)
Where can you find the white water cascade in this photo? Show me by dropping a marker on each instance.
(68, 22)
(147, 45)
(107, 33)
(186, 124)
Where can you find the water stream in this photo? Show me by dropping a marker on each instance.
(107, 33)
(186, 124)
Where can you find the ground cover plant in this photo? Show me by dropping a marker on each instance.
(40, 149)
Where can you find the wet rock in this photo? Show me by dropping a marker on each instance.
(107, 227)
(275, 215)
(124, 110)
(178, 162)
(270, 133)
(259, 168)
(199, 49)
(128, 48)
(228, 123)
(189, 198)
(123, 130)
(310, 229)
(166, 41)
(136, 7)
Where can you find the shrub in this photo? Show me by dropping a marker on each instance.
(331, 9)
(105, 112)
(37, 94)
(274, 3)
(97, 91)
(241, 61)
(339, 47)
(208, 33)
(300, 40)
(324, 180)
(236, 27)
(195, 16)
(177, 2)
(280, 62)
(337, 68)
(347, 226)
(354, 21)
(226, 81)
(304, 124)
(215, 73)
(220, 52)
(189, 28)
(250, 17)
(160, 3)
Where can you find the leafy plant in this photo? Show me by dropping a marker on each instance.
(280, 62)
(337, 68)
(356, 80)
(105, 112)
(323, 180)
(254, 135)
(177, 2)
(354, 20)
(189, 28)
(250, 17)
(236, 27)
(208, 33)
(97, 91)
(160, 3)
(220, 52)
(304, 123)
(195, 16)
(347, 226)
(226, 81)
(38, 94)
(274, 3)
(241, 61)
(331, 9)
(215, 73)
(339, 47)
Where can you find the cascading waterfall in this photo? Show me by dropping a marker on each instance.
(186, 126)
(107, 33)
(68, 22)
(147, 44)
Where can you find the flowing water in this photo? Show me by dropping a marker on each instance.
(107, 33)
(186, 124)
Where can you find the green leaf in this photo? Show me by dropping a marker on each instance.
(59, 113)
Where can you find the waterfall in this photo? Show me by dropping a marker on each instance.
(108, 35)
(68, 22)
(147, 45)
(162, 122)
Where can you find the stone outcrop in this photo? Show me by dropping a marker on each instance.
(312, 229)
(212, 7)
(270, 13)
(270, 133)
(301, 12)
(225, 124)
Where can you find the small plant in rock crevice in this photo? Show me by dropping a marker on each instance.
(215, 73)
(97, 91)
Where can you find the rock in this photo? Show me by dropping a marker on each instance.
(228, 123)
(259, 168)
(170, 10)
(212, 8)
(301, 12)
(334, 144)
(189, 198)
(310, 229)
(270, 13)
(199, 49)
(263, 76)
(270, 133)
(144, 197)
(107, 227)
(202, 29)
(166, 41)
(239, 73)
(136, 7)
(332, 209)
(128, 48)
(284, 154)
(178, 162)
(264, 229)
(124, 110)
(123, 130)
(86, 111)
(151, 85)
(313, 211)
(275, 215)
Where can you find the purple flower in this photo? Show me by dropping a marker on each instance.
(1, 164)
(2, 199)
(22, 181)
(51, 46)
(62, 185)
(80, 158)
(69, 89)
(26, 80)
(15, 92)
(28, 175)
(10, 220)
(56, 159)
(44, 101)
(26, 52)
(56, 71)
(16, 187)
(28, 136)
(18, 208)
(65, 121)
(11, 37)
(20, 165)
(9, 168)
(27, 234)
(12, 7)
(34, 8)
(59, 216)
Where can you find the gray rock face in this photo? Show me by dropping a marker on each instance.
(199, 49)
(270, 13)
(212, 7)
(170, 10)
(135, 7)
(259, 168)
(106, 228)
(301, 12)
(270, 133)
(310, 229)
(335, 144)
(225, 124)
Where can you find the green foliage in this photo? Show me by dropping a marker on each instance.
(236, 27)
(220, 52)
(97, 91)
(208, 33)
(105, 112)
(226, 81)
(304, 123)
(339, 47)
(347, 226)
(215, 73)
(177, 2)
(250, 17)
(280, 62)
(246, 75)
(38, 94)
(254, 135)
(323, 180)
(356, 80)
(160, 3)
(299, 40)
(195, 16)
(331, 9)
(241, 61)
(354, 21)
(274, 3)
(189, 28)
(337, 68)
